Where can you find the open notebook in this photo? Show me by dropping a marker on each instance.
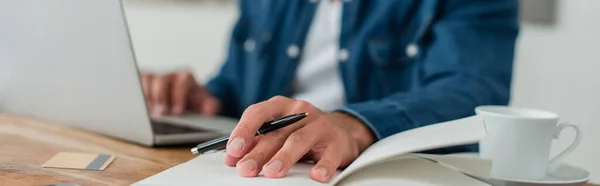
(390, 161)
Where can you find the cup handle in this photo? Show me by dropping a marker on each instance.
(563, 125)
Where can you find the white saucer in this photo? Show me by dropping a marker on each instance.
(562, 175)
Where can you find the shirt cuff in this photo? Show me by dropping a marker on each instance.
(218, 88)
(384, 118)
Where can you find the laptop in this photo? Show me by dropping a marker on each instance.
(72, 62)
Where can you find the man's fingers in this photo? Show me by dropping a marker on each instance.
(146, 86)
(297, 139)
(252, 119)
(254, 159)
(328, 164)
(250, 165)
(232, 161)
(210, 106)
(200, 100)
(182, 83)
(161, 86)
(196, 97)
(294, 148)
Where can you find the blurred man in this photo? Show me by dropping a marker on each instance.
(363, 69)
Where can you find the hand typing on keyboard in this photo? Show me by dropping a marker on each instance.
(173, 93)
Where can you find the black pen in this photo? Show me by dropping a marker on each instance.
(267, 127)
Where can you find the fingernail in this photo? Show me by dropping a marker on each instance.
(158, 110)
(323, 172)
(275, 166)
(249, 165)
(236, 144)
(177, 110)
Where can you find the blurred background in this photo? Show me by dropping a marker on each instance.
(557, 59)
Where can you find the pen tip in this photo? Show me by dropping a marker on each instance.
(306, 114)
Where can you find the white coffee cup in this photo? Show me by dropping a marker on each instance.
(519, 141)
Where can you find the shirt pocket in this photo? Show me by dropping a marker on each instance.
(391, 49)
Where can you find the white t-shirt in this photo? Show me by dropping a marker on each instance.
(317, 78)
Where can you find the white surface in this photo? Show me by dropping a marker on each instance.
(211, 169)
(180, 34)
(519, 141)
(468, 163)
(5, 70)
(318, 79)
(557, 70)
(472, 164)
(563, 175)
(451, 133)
(409, 171)
(400, 170)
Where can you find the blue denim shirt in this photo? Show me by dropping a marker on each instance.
(404, 63)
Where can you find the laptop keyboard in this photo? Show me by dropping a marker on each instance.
(164, 128)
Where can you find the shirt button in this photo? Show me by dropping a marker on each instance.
(293, 51)
(249, 45)
(412, 50)
(343, 55)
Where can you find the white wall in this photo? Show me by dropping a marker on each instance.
(175, 34)
(557, 68)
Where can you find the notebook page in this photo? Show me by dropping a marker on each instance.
(456, 132)
(471, 165)
(409, 170)
(209, 169)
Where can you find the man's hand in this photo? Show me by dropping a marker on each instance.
(173, 93)
(332, 140)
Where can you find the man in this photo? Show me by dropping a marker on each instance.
(363, 69)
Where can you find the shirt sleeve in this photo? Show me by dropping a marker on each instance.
(222, 86)
(467, 62)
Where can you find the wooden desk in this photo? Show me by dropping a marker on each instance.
(26, 144)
